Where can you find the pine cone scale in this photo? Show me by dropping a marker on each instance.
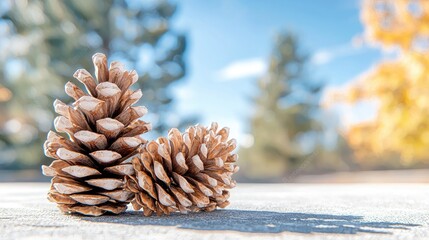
(109, 127)
(118, 195)
(80, 171)
(100, 64)
(70, 187)
(106, 183)
(89, 199)
(183, 183)
(105, 157)
(91, 140)
(60, 198)
(85, 77)
(146, 183)
(121, 169)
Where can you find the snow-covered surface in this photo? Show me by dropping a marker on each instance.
(257, 211)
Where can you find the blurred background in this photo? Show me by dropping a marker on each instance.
(313, 90)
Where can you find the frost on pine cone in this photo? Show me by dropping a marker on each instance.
(185, 172)
(103, 130)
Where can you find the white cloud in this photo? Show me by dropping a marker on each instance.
(321, 57)
(245, 68)
(324, 56)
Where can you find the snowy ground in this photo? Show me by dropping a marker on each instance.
(257, 211)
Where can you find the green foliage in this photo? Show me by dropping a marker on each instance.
(44, 42)
(284, 122)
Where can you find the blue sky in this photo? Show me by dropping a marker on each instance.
(230, 41)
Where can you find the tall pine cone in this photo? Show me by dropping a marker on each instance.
(185, 172)
(103, 131)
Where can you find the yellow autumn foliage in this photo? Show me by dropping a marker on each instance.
(400, 86)
(395, 22)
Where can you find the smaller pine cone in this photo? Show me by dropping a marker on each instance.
(186, 172)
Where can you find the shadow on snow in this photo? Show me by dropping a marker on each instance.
(258, 222)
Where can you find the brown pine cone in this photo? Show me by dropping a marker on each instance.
(188, 171)
(103, 131)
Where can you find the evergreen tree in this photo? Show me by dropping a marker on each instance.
(44, 42)
(284, 123)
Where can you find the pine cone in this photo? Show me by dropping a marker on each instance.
(184, 172)
(103, 131)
